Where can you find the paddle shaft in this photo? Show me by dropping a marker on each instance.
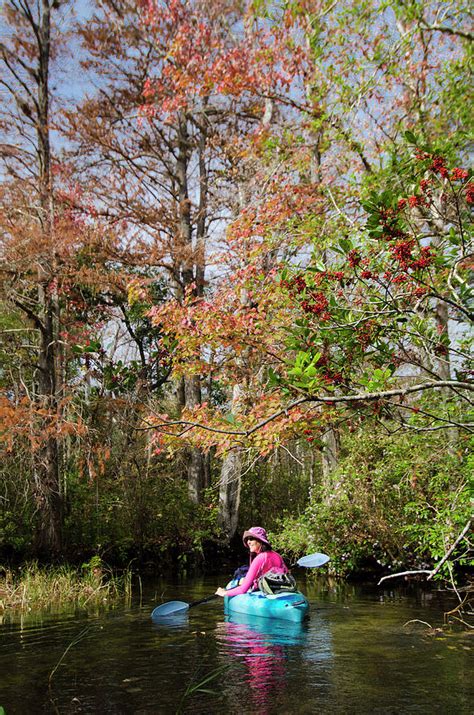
(203, 600)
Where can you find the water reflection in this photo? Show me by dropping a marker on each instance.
(176, 622)
(269, 631)
(261, 645)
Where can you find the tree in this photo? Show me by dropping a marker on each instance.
(350, 338)
(30, 234)
(176, 100)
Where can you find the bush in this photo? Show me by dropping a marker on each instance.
(395, 501)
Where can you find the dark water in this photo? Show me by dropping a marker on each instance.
(356, 654)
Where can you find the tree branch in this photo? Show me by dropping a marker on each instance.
(447, 30)
(432, 572)
(451, 549)
(331, 400)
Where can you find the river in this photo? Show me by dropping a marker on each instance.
(364, 649)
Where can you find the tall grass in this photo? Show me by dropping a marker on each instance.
(35, 587)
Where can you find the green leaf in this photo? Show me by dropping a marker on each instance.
(273, 377)
(296, 371)
(410, 137)
(345, 244)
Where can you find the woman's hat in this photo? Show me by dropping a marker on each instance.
(256, 532)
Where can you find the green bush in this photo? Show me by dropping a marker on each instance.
(395, 501)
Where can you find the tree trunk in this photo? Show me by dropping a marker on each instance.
(230, 482)
(47, 491)
(330, 438)
(229, 492)
(329, 460)
(195, 462)
(231, 470)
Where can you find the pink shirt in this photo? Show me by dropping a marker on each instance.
(262, 563)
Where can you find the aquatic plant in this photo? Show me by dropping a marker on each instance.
(34, 586)
(200, 686)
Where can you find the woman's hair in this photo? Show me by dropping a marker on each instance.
(265, 547)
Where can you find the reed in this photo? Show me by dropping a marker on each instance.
(200, 686)
(36, 587)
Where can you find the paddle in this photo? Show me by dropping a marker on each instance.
(313, 560)
(171, 608)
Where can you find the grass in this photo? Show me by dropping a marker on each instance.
(35, 587)
(196, 686)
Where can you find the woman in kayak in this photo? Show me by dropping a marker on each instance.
(262, 560)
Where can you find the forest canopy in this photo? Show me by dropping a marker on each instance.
(236, 278)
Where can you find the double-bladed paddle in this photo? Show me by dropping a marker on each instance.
(313, 560)
(171, 608)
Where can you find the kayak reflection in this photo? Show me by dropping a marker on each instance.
(268, 631)
(262, 644)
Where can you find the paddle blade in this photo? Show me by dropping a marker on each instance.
(170, 608)
(313, 560)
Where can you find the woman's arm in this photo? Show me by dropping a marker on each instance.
(252, 574)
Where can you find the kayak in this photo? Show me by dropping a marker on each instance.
(288, 606)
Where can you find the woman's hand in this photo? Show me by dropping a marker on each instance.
(221, 592)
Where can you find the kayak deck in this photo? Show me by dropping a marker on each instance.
(290, 606)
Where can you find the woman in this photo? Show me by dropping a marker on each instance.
(262, 560)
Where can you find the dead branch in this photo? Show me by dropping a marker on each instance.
(403, 573)
(432, 572)
(451, 549)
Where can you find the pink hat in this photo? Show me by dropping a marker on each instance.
(256, 532)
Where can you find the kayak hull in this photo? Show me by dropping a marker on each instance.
(287, 606)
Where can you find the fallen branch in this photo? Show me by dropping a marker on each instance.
(403, 573)
(432, 572)
(417, 620)
(450, 551)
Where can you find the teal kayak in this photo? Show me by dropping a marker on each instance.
(288, 606)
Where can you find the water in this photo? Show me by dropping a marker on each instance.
(356, 654)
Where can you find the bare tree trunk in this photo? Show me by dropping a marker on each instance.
(230, 481)
(195, 462)
(47, 488)
(330, 459)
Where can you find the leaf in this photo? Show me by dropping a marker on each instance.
(345, 244)
(410, 137)
(273, 377)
